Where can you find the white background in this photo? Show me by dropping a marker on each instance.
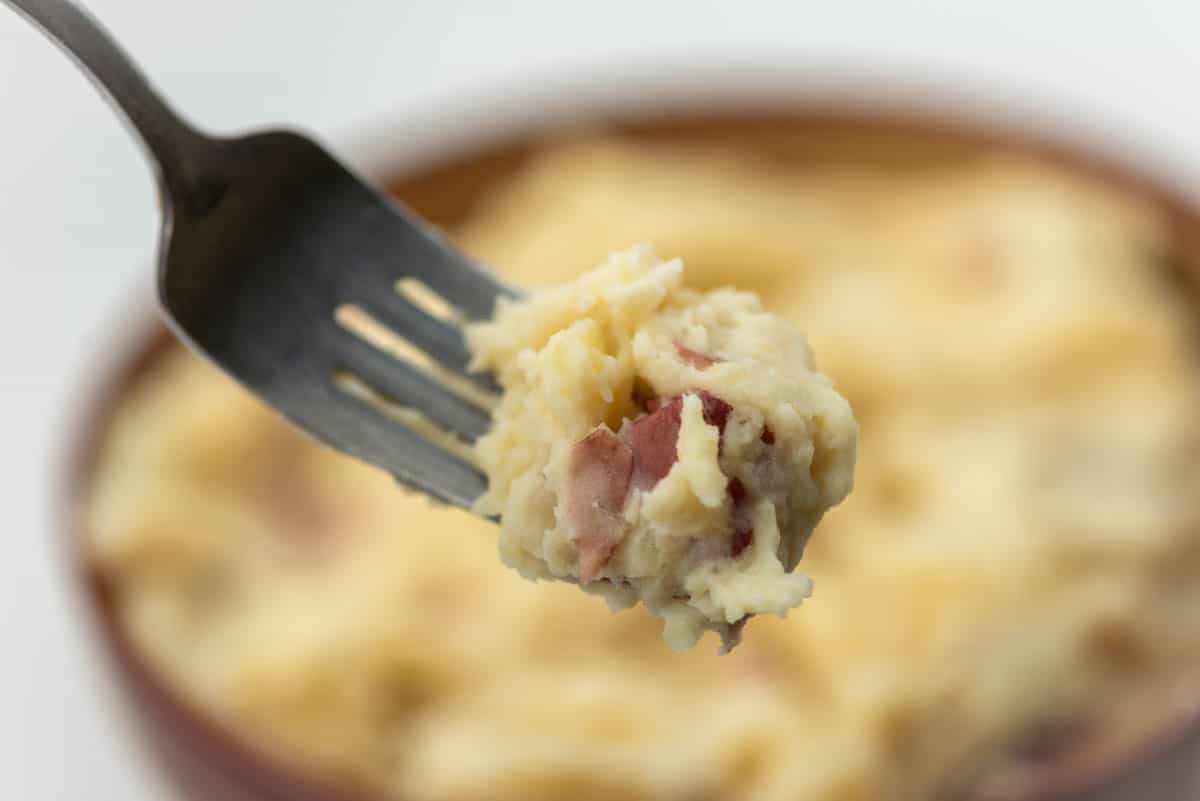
(78, 215)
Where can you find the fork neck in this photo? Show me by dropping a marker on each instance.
(175, 148)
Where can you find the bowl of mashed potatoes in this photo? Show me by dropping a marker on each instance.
(1006, 607)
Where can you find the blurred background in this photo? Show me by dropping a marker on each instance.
(78, 215)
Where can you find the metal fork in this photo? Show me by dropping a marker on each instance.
(263, 237)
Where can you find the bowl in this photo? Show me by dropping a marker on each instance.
(1151, 753)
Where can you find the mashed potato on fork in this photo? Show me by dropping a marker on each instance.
(661, 445)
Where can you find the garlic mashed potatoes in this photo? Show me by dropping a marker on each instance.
(661, 445)
(1020, 551)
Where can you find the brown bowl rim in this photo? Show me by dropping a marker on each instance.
(253, 770)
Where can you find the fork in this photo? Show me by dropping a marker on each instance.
(264, 239)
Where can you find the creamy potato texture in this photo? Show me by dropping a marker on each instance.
(1019, 552)
(659, 444)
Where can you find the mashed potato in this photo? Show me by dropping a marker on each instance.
(1020, 551)
(661, 445)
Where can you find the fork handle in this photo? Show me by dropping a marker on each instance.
(175, 148)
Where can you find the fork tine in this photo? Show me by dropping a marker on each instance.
(441, 340)
(428, 255)
(368, 433)
(407, 385)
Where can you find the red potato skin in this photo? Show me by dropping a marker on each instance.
(654, 436)
(600, 472)
(701, 361)
(653, 439)
(604, 466)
